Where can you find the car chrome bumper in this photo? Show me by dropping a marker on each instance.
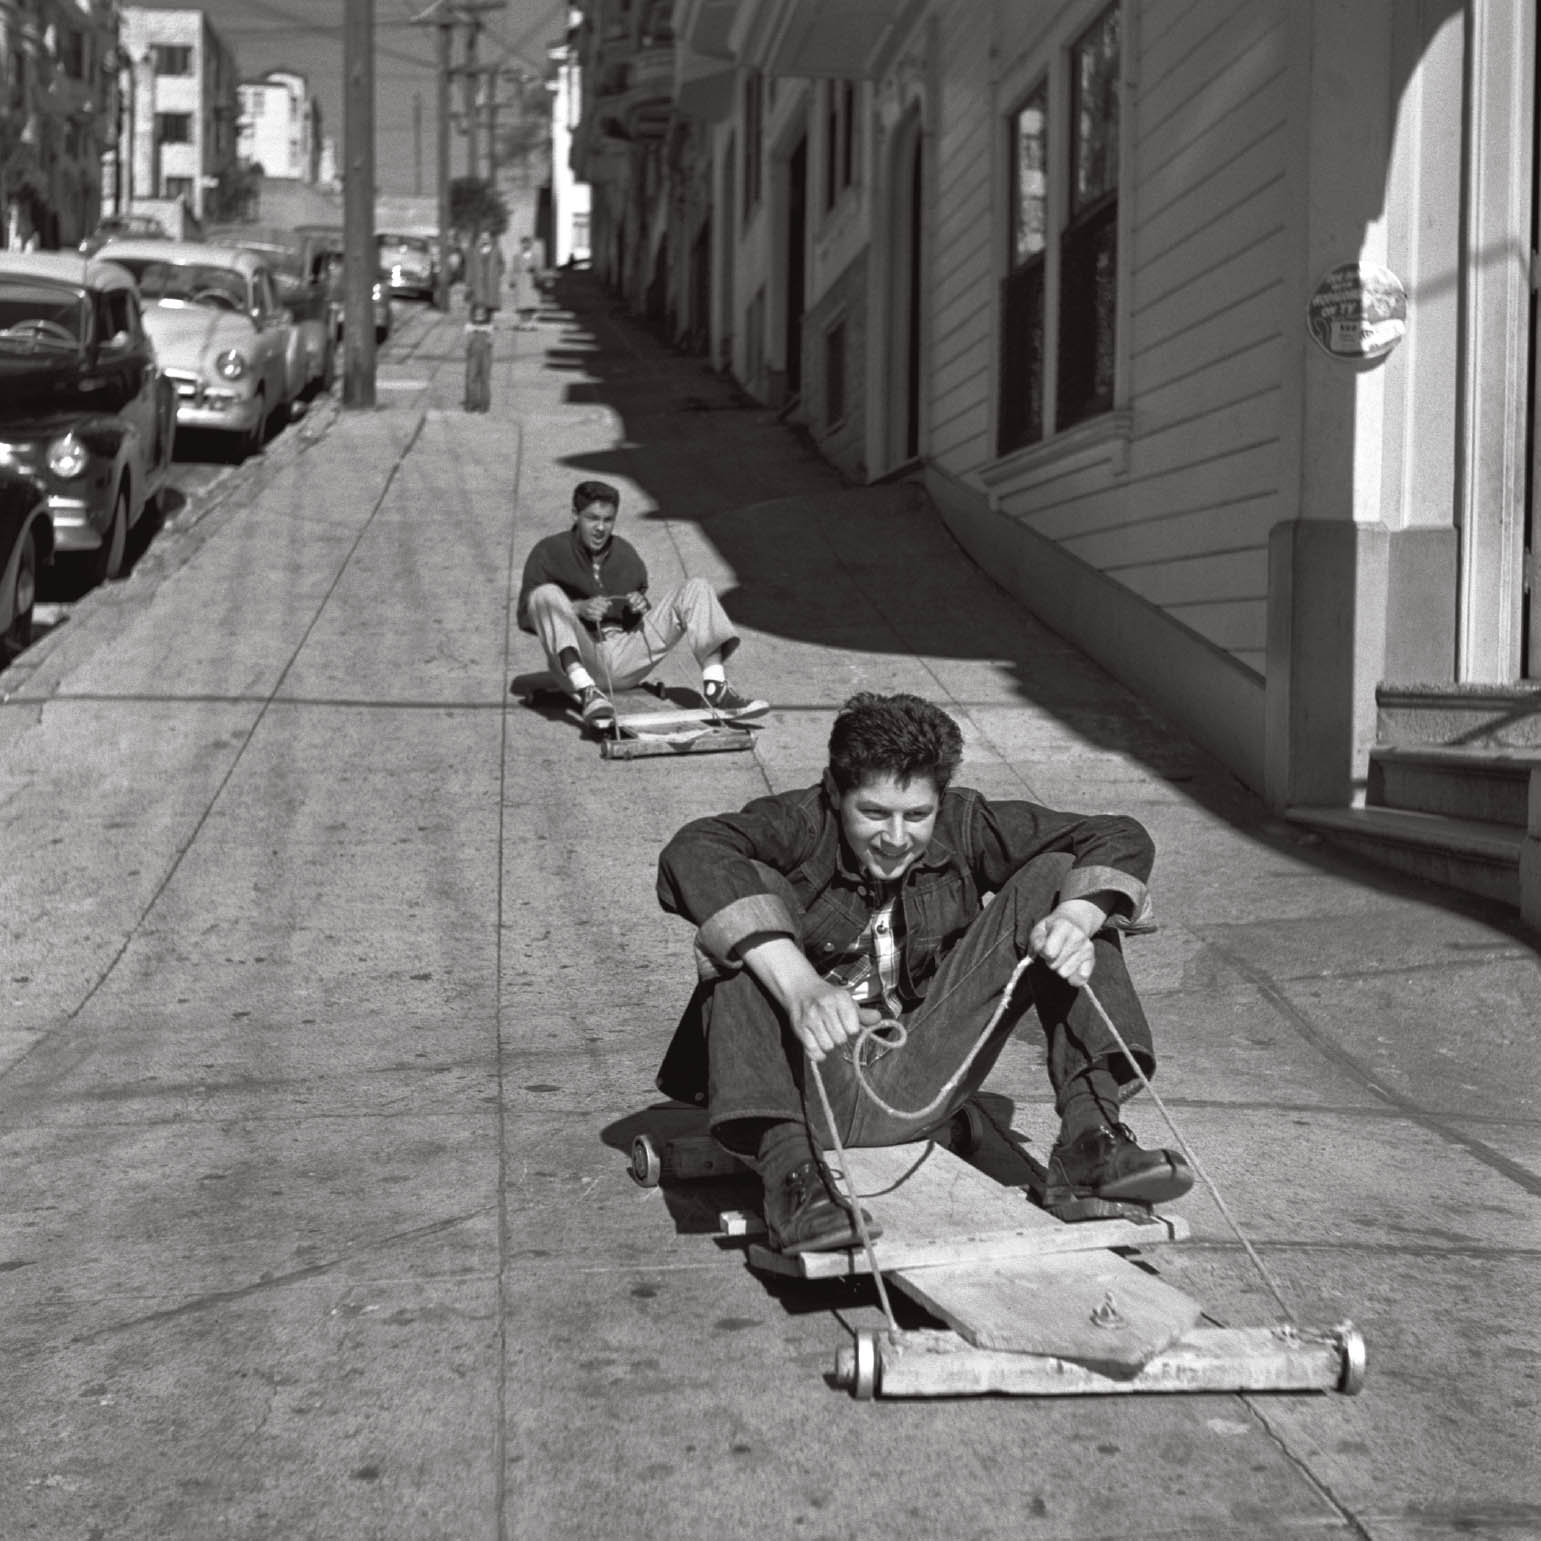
(77, 527)
(203, 406)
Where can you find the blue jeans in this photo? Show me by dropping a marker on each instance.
(756, 1068)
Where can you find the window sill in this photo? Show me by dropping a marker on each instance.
(1102, 440)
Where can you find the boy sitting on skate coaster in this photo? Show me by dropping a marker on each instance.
(584, 595)
(844, 924)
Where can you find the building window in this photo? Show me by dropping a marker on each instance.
(172, 58)
(1022, 290)
(1088, 294)
(1067, 182)
(178, 187)
(839, 139)
(174, 127)
(834, 376)
(754, 139)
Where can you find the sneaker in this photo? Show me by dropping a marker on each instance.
(727, 702)
(802, 1215)
(595, 709)
(1106, 1163)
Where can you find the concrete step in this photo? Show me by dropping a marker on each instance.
(1487, 784)
(1469, 854)
(1468, 716)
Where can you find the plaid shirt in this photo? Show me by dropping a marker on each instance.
(869, 968)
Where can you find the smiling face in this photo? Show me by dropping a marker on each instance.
(595, 522)
(888, 824)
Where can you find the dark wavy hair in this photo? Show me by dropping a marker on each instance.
(594, 492)
(899, 736)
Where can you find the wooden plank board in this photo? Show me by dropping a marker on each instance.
(702, 741)
(928, 1200)
(1092, 1307)
(938, 1364)
(1023, 1241)
(640, 721)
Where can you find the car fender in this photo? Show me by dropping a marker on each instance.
(117, 443)
(23, 507)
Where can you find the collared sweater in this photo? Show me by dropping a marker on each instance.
(565, 561)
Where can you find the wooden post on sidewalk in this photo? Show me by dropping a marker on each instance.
(360, 257)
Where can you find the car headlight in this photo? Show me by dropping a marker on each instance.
(67, 457)
(231, 364)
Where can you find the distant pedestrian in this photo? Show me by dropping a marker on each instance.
(484, 273)
(526, 299)
(479, 360)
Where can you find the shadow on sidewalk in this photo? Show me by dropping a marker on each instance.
(873, 570)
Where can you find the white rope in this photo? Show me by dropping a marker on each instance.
(850, 1188)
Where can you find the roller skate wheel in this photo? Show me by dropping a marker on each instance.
(856, 1366)
(1351, 1346)
(646, 1163)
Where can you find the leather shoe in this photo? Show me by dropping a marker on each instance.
(802, 1215)
(1105, 1163)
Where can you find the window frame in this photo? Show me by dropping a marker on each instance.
(1060, 410)
(162, 119)
(841, 126)
(754, 143)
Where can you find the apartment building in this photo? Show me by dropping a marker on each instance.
(181, 133)
(1206, 327)
(58, 107)
(280, 126)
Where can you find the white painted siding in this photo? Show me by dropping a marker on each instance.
(1183, 517)
(960, 226)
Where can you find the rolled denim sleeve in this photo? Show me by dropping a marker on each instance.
(708, 874)
(1111, 854)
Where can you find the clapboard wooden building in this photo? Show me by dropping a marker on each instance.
(1207, 325)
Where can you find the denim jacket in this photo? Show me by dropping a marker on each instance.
(707, 874)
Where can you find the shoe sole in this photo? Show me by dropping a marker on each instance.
(1158, 1185)
(748, 714)
(834, 1241)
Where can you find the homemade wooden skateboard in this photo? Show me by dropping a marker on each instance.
(646, 723)
(1032, 1306)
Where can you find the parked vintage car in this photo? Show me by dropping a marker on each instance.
(132, 227)
(330, 238)
(26, 546)
(223, 338)
(408, 265)
(85, 411)
(298, 262)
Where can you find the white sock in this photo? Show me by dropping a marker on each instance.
(712, 674)
(579, 677)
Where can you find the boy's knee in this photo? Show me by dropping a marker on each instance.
(550, 597)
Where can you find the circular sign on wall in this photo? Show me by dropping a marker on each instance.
(1358, 311)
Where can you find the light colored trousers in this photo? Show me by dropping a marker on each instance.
(625, 658)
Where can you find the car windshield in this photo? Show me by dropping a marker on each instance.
(39, 318)
(415, 243)
(187, 283)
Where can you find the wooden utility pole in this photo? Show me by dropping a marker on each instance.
(445, 15)
(473, 105)
(417, 144)
(360, 258)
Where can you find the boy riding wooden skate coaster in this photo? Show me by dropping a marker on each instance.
(865, 947)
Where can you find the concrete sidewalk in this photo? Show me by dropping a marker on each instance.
(335, 986)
